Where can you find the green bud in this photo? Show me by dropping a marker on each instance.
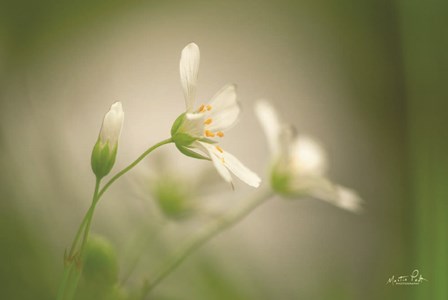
(100, 263)
(103, 159)
(174, 197)
(88, 291)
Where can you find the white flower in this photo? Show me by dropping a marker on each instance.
(105, 150)
(196, 131)
(299, 163)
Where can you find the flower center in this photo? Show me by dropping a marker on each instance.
(207, 132)
(204, 108)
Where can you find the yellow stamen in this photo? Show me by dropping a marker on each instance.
(219, 149)
(201, 108)
(209, 107)
(208, 121)
(223, 161)
(208, 133)
(220, 134)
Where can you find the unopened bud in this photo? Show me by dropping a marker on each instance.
(101, 265)
(105, 149)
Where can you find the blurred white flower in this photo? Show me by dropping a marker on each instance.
(105, 149)
(299, 163)
(197, 128)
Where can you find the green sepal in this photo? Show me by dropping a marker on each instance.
(280, 183)
(191, 153)
(103, 159)
(208, 141)
(183, 139)
(177, 123)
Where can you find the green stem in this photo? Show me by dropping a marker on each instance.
(205, 235)
(71, 273)
(63, 284)
(78, 235)
(128, 168)
(90, 217)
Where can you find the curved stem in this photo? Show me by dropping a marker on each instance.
(72, 273)
(89, 216)
(78, 235)
(204, 236)
(128, 168)
(144, 239)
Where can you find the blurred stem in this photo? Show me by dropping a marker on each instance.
(224, 222)
(128, 168)
(424, 34)
(72, 270)
(144, 238)
(90, 217)
(87, 219)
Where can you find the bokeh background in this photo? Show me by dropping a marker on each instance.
(366, 78)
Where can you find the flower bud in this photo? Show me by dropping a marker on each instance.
(105, 149)
(101, 264)
(174, 197)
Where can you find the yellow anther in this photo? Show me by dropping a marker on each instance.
(209, 107)
(223, 161)
(208, 133)
(220, 134)
(208, 121)
(219, 149)
(201, 108)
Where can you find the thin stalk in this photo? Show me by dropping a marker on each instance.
(71, 273)
(90, 217)
(128, 168)
(204, 236)
(144, 240)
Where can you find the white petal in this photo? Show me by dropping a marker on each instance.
(225, 109)
(337, 195)
(194, 124)
(112, 124)
(240, 170)
(195, 116)
(348, 199)
(217, 162)
(189, 66)
(270, 123)
(224, 161)
(308, 157)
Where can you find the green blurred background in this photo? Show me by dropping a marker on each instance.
(367, 78)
